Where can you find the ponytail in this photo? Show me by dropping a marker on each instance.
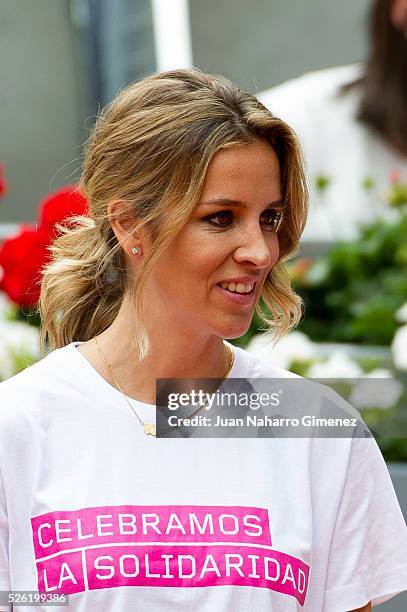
(82, 288)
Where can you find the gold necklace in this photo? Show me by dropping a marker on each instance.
(149, 428)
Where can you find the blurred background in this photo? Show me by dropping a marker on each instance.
(62, 60)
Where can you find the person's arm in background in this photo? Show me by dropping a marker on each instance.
(366, 608)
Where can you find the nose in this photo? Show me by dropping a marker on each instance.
(258, 248)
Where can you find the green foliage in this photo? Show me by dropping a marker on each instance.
(301, 367)
(398, 195)
(21, 361)
(351, 294)
(27, 315)
(393, 449)
(389, 427)
(322, 182)
(368, 183)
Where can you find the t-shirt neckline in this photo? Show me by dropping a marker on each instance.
(236, 372)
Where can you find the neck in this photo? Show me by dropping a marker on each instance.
(173, 354)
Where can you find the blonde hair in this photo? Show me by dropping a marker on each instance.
(151, 149)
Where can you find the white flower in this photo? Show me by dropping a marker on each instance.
(383, 393)
(16, 338)
(379, 373)
(338, 365)
(293, 347)
(401, 314)
(399, 348)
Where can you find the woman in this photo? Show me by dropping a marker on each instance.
(196, 196)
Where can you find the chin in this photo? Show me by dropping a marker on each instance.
(232, 332)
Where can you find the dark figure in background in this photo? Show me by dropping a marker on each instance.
(352, 123)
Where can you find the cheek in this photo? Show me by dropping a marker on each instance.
(201, 258)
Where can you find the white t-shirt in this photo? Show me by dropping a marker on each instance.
(338, 147)
(122, 521)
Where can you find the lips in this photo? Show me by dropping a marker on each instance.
(238, 298)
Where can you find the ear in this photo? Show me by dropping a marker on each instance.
(122, 220)
(398, 14)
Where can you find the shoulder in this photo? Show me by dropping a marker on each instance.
(250, 365)
(317, 83)
(298, 101)
(302, 396)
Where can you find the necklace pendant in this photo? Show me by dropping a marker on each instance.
(149, 429)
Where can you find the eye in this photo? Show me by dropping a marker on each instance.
(272, 218)
(221, 219)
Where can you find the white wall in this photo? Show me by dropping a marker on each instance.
(40, 110)
(257, 43)
(260, 43)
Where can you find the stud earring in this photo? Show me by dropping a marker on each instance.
(134, 250)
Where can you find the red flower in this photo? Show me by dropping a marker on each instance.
(21, 259)
(23, 256)
(3, 185)
(394, 176)
(64, 203)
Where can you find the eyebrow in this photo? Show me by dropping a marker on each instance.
(238, 203)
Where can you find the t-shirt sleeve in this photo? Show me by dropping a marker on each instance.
(368, 556)
(4, 563)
